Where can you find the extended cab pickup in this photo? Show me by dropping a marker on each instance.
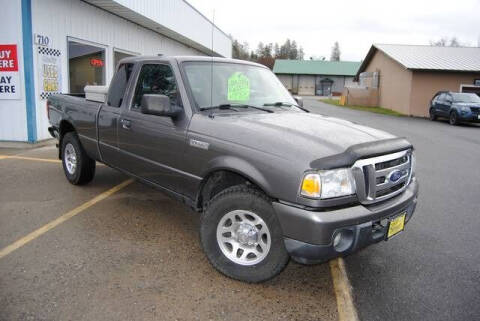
(271, 180)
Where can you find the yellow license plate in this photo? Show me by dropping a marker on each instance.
(396, 225)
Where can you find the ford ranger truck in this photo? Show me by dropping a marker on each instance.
(271, 180)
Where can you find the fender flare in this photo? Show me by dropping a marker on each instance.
(239, 166)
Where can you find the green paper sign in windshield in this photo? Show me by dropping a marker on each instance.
(238, 87)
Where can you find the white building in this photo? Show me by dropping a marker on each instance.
(52, 46)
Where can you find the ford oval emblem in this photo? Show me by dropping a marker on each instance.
(394, 176)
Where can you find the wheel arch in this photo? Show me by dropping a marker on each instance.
(226, 172)
(64, 127)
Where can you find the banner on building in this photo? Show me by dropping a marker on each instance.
(9, 76)
(49, 72)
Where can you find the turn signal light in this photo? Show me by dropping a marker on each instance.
(311, 186)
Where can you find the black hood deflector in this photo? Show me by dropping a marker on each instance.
(360, 151)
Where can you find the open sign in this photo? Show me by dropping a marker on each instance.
(96, 62)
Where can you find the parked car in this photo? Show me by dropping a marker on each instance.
(270, 180)
(457, 107)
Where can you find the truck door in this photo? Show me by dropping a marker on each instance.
(151, 146)
(109, 115)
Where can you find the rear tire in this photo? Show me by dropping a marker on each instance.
(241, 235)
(453, 119)
(433, 117)
(79, 168)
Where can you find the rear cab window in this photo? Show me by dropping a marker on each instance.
(118, 86)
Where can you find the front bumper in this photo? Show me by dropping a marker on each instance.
(309, 234)
(469, 118)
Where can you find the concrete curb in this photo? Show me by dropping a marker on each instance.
(25, 145)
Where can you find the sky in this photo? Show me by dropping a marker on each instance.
(356, 25)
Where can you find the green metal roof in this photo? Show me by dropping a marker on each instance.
(316, 67)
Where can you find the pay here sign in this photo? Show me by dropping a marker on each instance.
(9, 77)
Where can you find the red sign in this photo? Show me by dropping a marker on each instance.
(8, 58)
(96, 62)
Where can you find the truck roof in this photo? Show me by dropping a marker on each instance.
(181, 59)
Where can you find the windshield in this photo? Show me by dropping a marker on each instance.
(465, 98)
(234, 83)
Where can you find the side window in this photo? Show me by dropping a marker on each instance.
(448, 98)
(118, 85)
(441, 98)
(155, 79)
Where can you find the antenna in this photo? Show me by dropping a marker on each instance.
(211, 54)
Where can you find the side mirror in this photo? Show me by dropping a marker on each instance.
(299, 100)
(158, 105)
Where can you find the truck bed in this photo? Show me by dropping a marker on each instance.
(75, 110)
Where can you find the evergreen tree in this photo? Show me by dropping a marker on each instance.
(335, 56)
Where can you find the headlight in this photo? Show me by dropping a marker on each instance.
(413, 163)
(465, 109)
(328, 184)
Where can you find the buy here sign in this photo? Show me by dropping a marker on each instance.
(9, 77)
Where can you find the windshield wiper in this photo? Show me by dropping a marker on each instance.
(232, 106)
(284, 104)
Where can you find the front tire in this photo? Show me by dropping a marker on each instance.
(241, 235)
(79, 168)
(433, 117)
(453, 119)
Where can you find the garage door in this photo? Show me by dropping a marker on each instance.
(306, 85)
(286, 81)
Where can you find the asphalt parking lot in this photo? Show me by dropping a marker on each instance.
(432, 271)
(134, 255)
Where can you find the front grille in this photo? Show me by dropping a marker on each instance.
(391, 163)
(382, 177)
(390, 190)
(475, 110)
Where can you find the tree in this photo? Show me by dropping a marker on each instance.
(293, 54)
(335, 56)
(446, 42)
(240, 51)
(266, 53)
(301, 54)
(285, 50)
(276, 50)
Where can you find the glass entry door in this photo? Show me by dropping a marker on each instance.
(324, 87)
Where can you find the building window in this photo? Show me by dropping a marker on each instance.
(86, 65)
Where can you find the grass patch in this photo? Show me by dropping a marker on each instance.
(378, 110)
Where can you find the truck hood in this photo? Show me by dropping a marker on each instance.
(289, 135)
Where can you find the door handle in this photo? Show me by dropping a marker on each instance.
(126, 124)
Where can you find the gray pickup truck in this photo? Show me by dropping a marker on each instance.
(271, 180)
